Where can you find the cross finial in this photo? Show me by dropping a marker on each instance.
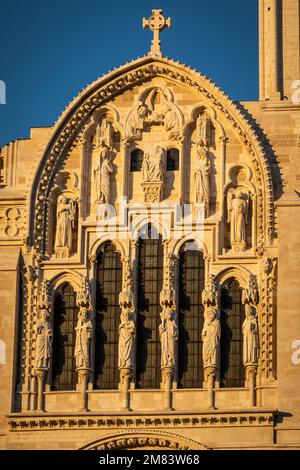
(156, 23)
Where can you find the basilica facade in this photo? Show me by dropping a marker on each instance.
(150, 255)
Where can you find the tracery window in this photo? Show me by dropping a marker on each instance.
(109, 286)
(150, 283)
(64, 323)
(191, 318)
(232, 318)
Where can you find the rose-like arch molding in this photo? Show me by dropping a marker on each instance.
(136, 440)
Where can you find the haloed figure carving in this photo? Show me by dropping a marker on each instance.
(43, 341)
(83, 330)
(126, 340)
(168, 332)
(102, 175)
(250, 335)
(211, 335)
(64, 227)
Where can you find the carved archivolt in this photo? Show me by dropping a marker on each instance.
(139, 440)
(72, 124)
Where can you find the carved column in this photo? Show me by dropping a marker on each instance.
(125, 151)
(43, 343)
(127, 331)
(267, 270)
(84, 333)
(168, 328)
(250, 298)
(41, 375)
(211, 335)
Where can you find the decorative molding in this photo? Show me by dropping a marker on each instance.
(51, 422)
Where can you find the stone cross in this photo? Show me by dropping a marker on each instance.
(156, 23)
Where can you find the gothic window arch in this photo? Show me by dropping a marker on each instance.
(150, 284)
(64, 324)
(136, 160)
(172, 159)
(109, 286)
(232, 373)
(191, 317)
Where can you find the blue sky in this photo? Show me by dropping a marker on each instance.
(51, 49)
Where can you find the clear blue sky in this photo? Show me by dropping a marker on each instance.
(51, 49)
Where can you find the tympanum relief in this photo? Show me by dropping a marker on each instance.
(155, 107)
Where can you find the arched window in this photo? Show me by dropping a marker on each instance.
(150, 283)
(191, 318)
(136, 160)
(109, 286)
(173, 159)
(232, 318)
(64, 324)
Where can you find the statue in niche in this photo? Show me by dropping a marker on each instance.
(65, 223)
(237, 208)
(102, 175)
(202, 172)
(104, 133)
(83, 330)
(211, 335)
(126, 340)
(250, 336)
(203, 130)
(154, 165)
(168, 333)
(43, 341)
(137, 121)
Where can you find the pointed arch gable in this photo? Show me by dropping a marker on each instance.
(70, 126)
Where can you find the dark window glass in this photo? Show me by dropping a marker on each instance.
(150, 283)
(191, 319)
(136, 160)
(64, 324)
(232, 318)
(109, 286)
(173, 160)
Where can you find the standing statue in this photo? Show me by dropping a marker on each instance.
(102, 175)
(43, 341)
(250, 336)
(154, 165)
(168, 333)
(126, 340)
(83, 330)
(202, 172)
(203, 130)
(237, 207)
(65, 214)
(211, 335)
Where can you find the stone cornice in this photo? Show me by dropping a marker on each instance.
(79, 421)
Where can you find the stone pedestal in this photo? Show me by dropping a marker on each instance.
(153, 191)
